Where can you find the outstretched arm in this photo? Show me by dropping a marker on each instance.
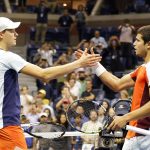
(54, 72)
(110, 80)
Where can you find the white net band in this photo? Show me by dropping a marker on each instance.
(77, 133)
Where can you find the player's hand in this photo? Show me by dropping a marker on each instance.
(118, 123)
(88, 60)
(78, 53)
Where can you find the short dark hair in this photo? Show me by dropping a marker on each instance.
(145, 32)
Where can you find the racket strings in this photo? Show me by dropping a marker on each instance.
(83, 109)
(45, 130)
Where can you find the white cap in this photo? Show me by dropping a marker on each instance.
(43, 114)
(6, 23)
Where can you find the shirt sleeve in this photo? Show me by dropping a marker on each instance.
(15, 62)
(148, 73)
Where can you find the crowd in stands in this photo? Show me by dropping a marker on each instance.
(51, 47)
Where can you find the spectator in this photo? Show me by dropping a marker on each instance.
(49, 116)
(111, 112)
(92, 125)
(80, 111)
(63, 143)
(83, 44)
(112, 56)
(80, 18)
(61, 60)
(126, 39)
(102, 115)
(98, 42)
(81, 80)
(77, 141)
(33, 115)
(66, 99)
(88, 94)
(106, 105)
(73, 88)
(25, 98)
(70, 54)
(46, 52)
(44, 144)
(65, 21)
(41, 21)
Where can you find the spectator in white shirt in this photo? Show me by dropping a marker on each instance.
(98, 41)
(25, 98)
(126, 41)
(93, 125)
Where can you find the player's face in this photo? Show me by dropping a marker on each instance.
(140, 46)
(9, 37)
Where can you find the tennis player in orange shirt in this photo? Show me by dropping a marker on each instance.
(140, 80)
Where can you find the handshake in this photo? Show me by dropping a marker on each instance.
(98, 68)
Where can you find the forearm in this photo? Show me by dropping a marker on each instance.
(142, 112)
(54, 72)
(113, 82)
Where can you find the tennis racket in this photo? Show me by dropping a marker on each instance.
(87, 111)
(88, 106)
(46, 130)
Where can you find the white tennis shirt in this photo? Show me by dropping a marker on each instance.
(10, 65)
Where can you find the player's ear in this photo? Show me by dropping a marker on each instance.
(148, 45)
(1, 35)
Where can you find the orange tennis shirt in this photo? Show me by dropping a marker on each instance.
(141, 76)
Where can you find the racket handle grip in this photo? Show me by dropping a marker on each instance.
(137, 130)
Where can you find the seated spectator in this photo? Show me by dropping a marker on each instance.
(73, 88)
(92, 125)
(112, 56)
(81, 80)
(63, 143)
(29, 140)
(44, 144)
(88, 94)
(32, 114)
(47, 51)
(111, 112)
(50, 112)
(98, 42)
(61, 60)
(40, 95)
(66, 99)
(106, 104)
(26, 99)
(83, 44)
(70, 54)
(77, 141)
(80, 111)
(102, 115)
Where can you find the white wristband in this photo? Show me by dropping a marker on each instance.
(99, 69)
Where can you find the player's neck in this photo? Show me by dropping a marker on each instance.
(147, 58)
(3, 46)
